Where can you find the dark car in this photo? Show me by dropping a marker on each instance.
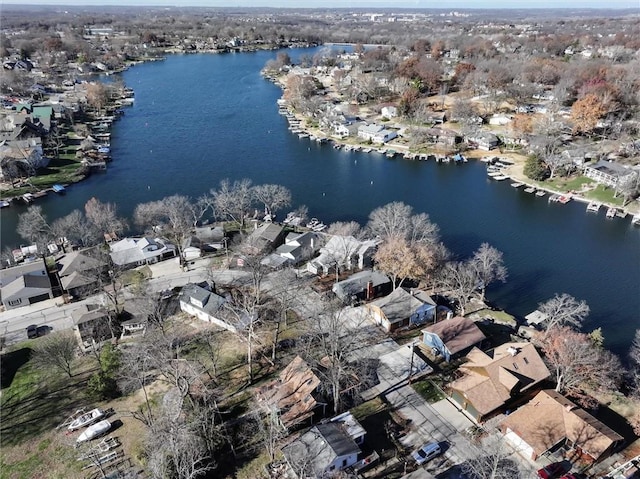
(32, 331)
(553, 470)
(570, 476)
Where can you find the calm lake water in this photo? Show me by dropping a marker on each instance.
(198, 119)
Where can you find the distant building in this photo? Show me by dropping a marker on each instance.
(608, 173)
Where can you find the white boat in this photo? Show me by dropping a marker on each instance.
(540, 193)
(611, 212)
(593, 207)
(530, 189)
(97, 430)
(500, 177)
(85, 419)
(635, 220)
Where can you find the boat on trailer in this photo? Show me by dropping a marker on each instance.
(97, 430)
(85, 419)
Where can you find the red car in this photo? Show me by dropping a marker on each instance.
(552, 470)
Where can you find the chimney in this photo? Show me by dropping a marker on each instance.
(369, 289)
(449, 314)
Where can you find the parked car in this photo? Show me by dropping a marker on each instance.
(570, 476)
(426, 453)
(32, 331)
(552, 470)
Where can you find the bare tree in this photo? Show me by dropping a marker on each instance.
(174, 216)
(75, 228)
(492, 458)
(243, 311)
(56, 350)
(270, 430)
(634, 370)
(233, 201)
(333, 340)
(460, 280)
(564, 310)
(577, 362)
(34, 227)
(274, 197)
(397, 219)
(284, 290)
(489, 266)
(103, 217)
(175, 449)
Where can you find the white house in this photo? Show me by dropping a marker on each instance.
(389, 111)
(140, 251)
(326, 448)
(199, 301)
(344, 251)
(376, 133)
(607, 172)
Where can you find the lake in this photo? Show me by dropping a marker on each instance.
(198, 119)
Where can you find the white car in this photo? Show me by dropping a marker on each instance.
(426, 453)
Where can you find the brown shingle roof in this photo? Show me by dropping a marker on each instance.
(457, 333)
(490, 381)
(550, 418)
(292, 392)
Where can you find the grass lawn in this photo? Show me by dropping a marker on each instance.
(604, 195)
(498, 317)
(33, 404)
(428, 390)
(566, 184)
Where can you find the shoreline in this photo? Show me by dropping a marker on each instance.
(513, 172)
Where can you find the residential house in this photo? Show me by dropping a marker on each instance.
(343, 252)
(78, 272)
(322, 451)
(435, 117)
(452, 337)
(401, 308)
(376, 133)
(389, 111)
(21, 157)
(484, 140)
(364, 285)
(297, 247)
(295, 393)
(133, 252)
(499, 119)
(550, 421)
(497, 379)
(265, 237)
(608, 173)
(440, 136)
(25, 284)
(200, 301)
(91, 325)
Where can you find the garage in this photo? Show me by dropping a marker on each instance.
(520, 446)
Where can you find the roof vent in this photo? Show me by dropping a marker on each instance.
(512, 351)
